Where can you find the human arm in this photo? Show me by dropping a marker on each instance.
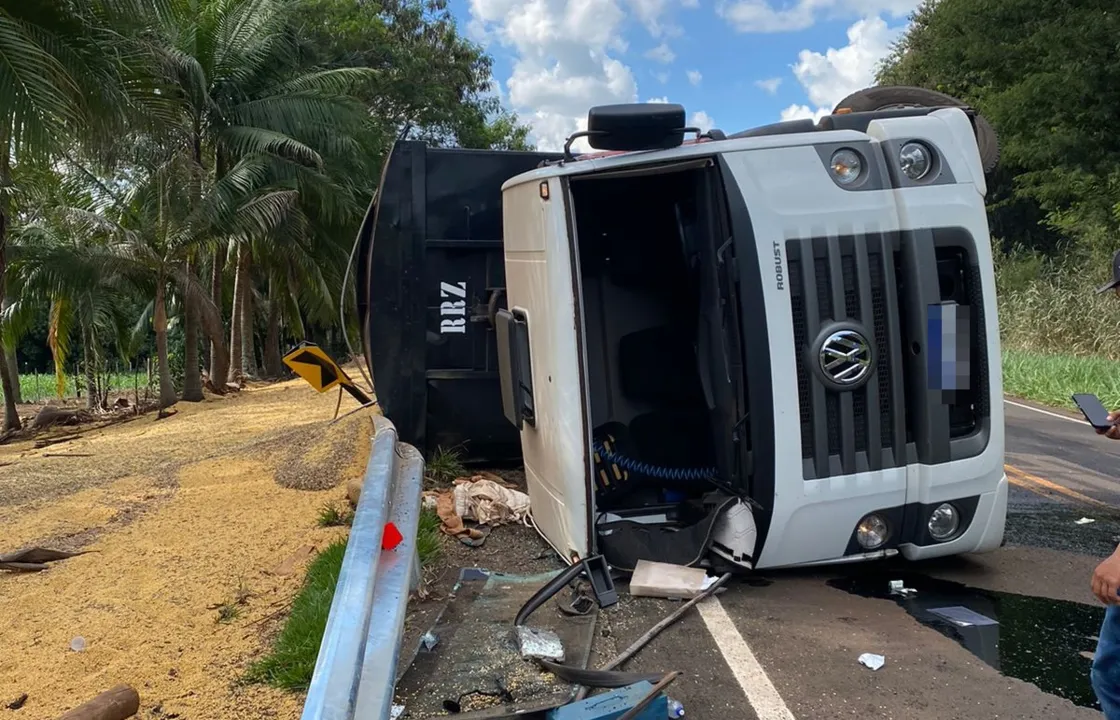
(1106, 579)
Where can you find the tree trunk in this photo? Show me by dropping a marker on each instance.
(12, 362)
(92, 394)
(248, 347)
(236, 361)
(7, 382)
(273, 364)
(167, 396)
(192, 371)
(219, 359)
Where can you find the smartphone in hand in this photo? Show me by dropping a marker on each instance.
(1093, 410)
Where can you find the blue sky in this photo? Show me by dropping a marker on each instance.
(734, 63)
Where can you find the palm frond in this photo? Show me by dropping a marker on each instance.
(38, 96)
(58, 339)
(241, 141)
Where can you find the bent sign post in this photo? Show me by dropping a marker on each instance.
(321, 372)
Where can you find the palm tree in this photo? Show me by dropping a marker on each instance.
(65, 83)
(234, 68)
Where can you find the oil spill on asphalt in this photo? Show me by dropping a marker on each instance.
(1045, 642)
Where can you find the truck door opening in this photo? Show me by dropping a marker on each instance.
(646, 244)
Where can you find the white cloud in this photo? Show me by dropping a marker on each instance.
(702, 120)
(564, 60)
(694, 77)
(760, 16)
(769, 85)
(661, 77)
(802, 112)
(649, 13)
(830, 76)
(662, 100)
(662, 54)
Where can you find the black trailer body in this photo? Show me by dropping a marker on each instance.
(431, 277)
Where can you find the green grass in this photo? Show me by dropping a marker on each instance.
(35, 387)
(1050, 379)
(429, 539)
(445, 465)
(332, 516)
(291, 661)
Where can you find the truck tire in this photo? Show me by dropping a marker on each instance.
(900, 96)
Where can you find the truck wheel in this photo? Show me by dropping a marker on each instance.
(900, 96)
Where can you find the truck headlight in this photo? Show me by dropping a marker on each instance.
(872, 531)
(943, 522)
(846, 166)
(915, 160)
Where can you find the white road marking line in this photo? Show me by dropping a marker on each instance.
(760, 692)
(1044, 412)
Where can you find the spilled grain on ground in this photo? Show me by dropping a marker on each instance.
(191, 519)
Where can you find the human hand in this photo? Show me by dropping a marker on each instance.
(1106, 580)
(1114, 431)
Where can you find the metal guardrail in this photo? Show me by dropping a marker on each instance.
(355, 672)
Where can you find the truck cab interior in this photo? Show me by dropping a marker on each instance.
(648, 244)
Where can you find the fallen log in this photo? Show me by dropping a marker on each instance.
(50, 416)
(40, 444)
(33, 559)
(117, 704)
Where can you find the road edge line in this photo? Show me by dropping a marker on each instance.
(1030, 482)
(1043, 412)
(757, 687)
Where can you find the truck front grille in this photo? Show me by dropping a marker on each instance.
(851, 280)
(882, 285)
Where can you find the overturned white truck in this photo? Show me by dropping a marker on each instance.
(768, 349)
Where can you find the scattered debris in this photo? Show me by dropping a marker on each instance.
(78, 644)
(296, 559)
(17, 703)
(676, 709)
(429, 640)
(665, 580)
(1084, 521)
(117, 704)
(656, 629)
(452, 524)
(898, 587)
(396, 711)
(34, 559)
(872, 660)
(962, 616)
(539, 644)
(483, 498)
(617, 704)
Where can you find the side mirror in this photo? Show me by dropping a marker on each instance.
(514, 370)
(632, 127)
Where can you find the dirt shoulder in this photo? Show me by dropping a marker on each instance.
(216, 505)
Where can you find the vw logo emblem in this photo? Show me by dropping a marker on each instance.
(845, 358)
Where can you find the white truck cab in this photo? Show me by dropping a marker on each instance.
(776, 348)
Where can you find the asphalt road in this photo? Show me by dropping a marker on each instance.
(788, 646)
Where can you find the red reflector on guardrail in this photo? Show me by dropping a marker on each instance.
(391, 537)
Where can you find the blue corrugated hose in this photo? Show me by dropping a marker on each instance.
(657, 471)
